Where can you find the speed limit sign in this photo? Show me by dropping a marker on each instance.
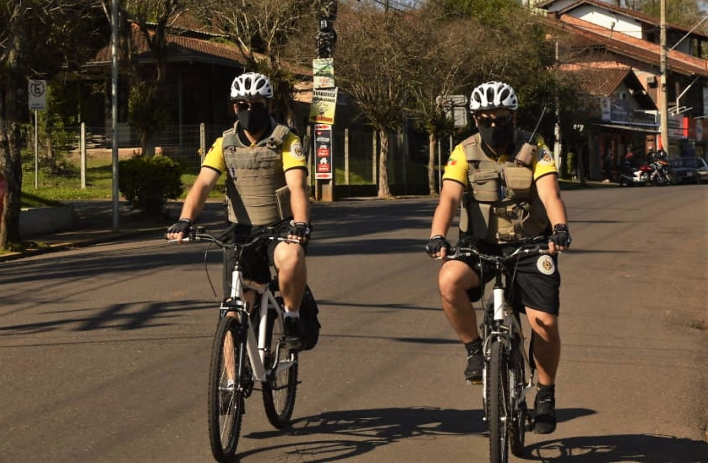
(37, 92)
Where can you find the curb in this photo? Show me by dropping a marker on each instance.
(78, 243)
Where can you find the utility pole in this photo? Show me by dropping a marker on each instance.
(114, 110)
(324, 95)
(663, 98)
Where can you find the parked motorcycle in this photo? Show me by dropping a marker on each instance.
(635, 176)
(661, 169)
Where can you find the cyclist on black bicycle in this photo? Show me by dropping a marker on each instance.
(509, 192)
(266, 182)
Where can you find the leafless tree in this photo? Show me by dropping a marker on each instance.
(447, 65)
(377, 53)
(263, 30)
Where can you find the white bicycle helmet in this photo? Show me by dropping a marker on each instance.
(493, 95)
(249, 85)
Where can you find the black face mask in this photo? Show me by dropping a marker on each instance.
(496, 137)
(254, 120)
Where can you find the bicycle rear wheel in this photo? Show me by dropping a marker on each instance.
(519, 415)
(497, 404)
(281, 387)
(228, 378)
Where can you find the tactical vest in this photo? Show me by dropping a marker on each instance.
(501, 204)
(256, 178)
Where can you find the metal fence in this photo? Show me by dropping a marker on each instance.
(81, 157)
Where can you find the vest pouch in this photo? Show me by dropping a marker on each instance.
(518, 182)
(533, 220)
(502, 224)
(485, 186)
(282, 198)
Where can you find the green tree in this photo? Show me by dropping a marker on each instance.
(686, 13)
(488, 12)
(38, 38)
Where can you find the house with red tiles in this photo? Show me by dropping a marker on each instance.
(604, 45)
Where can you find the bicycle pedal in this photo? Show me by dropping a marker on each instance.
(474, 383)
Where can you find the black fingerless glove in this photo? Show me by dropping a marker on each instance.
(561, 236)
(183, 226)
(436, 244)
(300, 230)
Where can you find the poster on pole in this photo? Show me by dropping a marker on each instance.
(324, 104)
(37, 91)
(323, 152)
(323, 73)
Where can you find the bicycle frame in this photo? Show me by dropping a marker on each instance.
(256, 346)
(504, 326)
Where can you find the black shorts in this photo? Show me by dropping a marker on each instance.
(257, 259)
(536, 282)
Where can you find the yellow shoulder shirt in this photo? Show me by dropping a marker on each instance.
(291, 151)
(456, 168)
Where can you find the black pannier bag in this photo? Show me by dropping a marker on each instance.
(310, 323)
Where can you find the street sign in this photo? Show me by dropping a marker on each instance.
(37, 91)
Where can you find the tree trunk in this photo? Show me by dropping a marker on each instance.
(432, 142)
(12, 95)
(384, 190)
(581, 167)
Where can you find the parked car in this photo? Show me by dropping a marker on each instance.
(690, 170)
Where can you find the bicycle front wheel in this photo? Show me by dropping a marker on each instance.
(519, 414)
(497, 404)
(229, 375)
(281, 386)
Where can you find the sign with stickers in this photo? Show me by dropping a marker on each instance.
(323, 152)
(323, 106)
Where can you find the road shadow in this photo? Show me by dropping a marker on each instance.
(119, 317)
(640, 448)
(339, 435)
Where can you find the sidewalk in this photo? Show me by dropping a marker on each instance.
(94, 225)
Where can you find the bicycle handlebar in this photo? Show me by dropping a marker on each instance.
(532, 247)
(269, 233)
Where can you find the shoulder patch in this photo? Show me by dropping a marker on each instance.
(544, 157)
(296, 151)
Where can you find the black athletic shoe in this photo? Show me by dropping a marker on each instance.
(544, 414)
(475, 366)
(293, 332)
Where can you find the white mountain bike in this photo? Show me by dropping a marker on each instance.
(248, 348)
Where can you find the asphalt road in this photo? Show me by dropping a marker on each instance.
(105, 350)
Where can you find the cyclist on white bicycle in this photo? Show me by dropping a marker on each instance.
(509, 192)
(266, 182)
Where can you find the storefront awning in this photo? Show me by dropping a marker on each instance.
(634, 128)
